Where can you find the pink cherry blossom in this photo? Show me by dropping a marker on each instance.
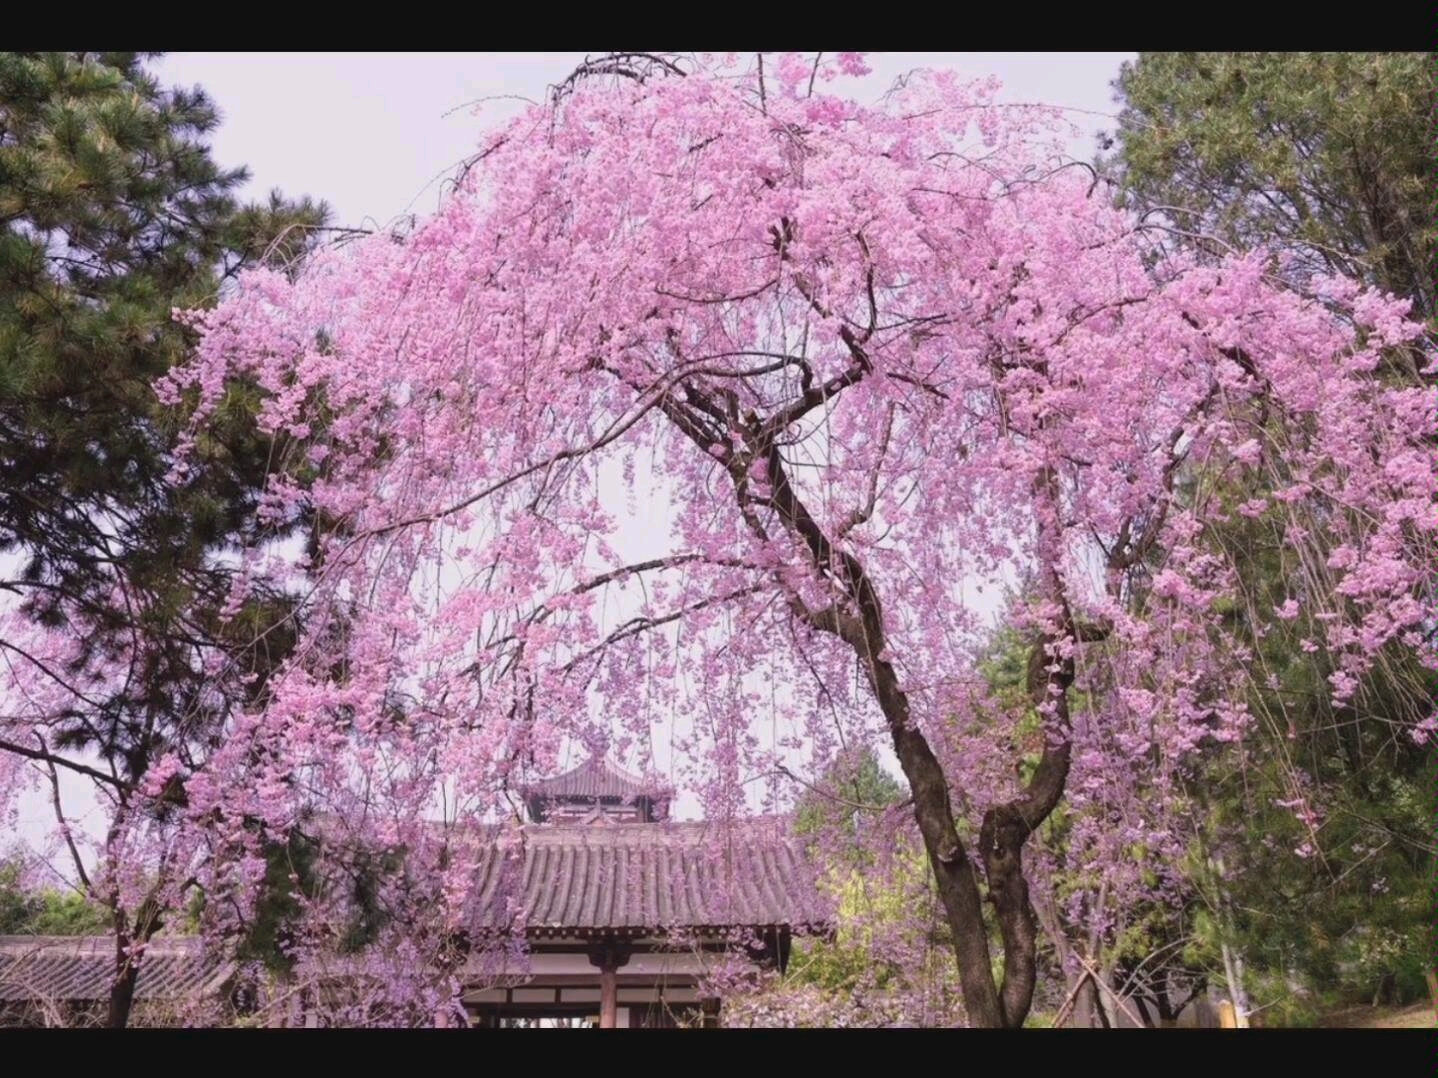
(842, 363)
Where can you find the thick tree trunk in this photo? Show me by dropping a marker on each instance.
(1005, 828)
(1142, 1007)
(129, 953)
(1089, 1011)
(954, 875)
(856, 617)
(122, 990)
(1170, 1004)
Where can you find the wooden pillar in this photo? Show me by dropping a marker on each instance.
(608, 995)
(608, 956)
(783, 945)
(710, 1009)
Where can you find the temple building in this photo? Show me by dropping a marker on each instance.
(596, 792)
(625, 909)
(623, 912)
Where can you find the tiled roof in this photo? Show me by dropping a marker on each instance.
(73, 968)
(629, 878)
(625, 879)
(596, 778)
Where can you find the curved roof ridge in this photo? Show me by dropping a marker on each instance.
(597, 776)
(101, 944)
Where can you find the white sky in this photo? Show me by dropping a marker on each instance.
(373, 133)
(368, 132)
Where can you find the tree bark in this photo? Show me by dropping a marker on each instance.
(863, 629)
(1094, 1004)
(122, 989)
(1005, 828)
(710, 418)
(127, 961)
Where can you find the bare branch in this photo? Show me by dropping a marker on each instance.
(63, 823)
(48, 758)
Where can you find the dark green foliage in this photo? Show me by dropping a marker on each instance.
(1328, 156)
(43, 911)
(367, 872)
(112, 214)
(290, 875)
(1328, 159)
(17, 906)
(854, 787)
(1344, 900)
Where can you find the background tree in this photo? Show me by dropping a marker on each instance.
(31, 910)
(853, 789)
(112, 215)
(1326, 156)
(1323, 813)
(886, 963)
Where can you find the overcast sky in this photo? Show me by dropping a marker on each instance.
(373, 133)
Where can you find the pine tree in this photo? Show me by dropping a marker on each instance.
(112, 215)
(1328, 156)
(1327, 159)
